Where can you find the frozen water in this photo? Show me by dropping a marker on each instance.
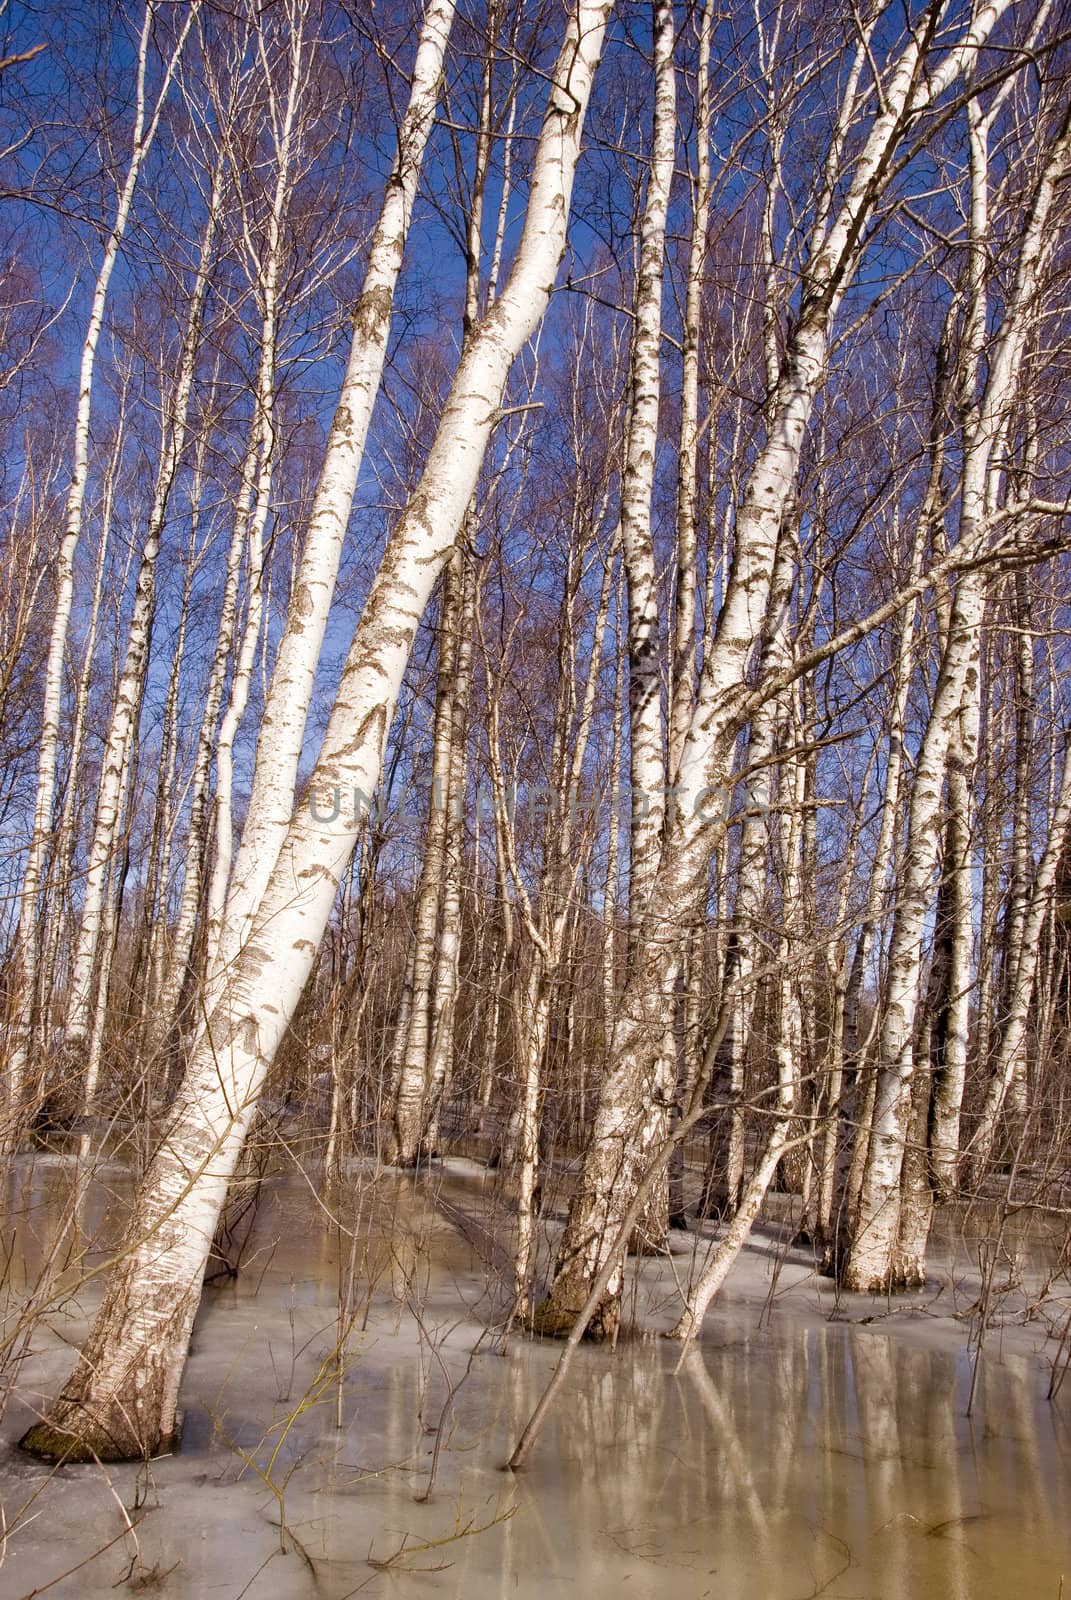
(791, 1456)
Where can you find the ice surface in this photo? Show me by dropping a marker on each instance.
(792, 1455)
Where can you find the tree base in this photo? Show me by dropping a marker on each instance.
(51, 1442)
(551, 1322)
(898, 1280)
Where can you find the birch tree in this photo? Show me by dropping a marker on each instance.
(873, 1260)
(614, 1159)
(121, 1401)
(147, 114)
(130, 695)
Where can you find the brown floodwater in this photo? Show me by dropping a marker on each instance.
(791, 1455)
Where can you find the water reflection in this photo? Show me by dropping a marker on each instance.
(780, 1462)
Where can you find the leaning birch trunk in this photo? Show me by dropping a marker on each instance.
(427, 996)
(122, 1399)
(445, 977)
(146, 124)
(282, 726)
(617, 1153)
(735, 1237)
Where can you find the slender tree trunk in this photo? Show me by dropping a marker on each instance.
(414, 1026)
(1021, 990)
(647, 766)
(146, 123)
(448, 952)
(62, 864)
(950, 1064)
(126, 714)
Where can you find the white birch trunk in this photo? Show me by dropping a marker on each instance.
(61, 869)
(950, 1075)
(735, 1236)
(611, 883)
(146, 123)
(448, 954)
(282, 726)
(647, 765)
(126, 714)
(682, 681)
(1021, 990)
(414, 1025)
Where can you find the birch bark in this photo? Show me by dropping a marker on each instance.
(647, 765)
